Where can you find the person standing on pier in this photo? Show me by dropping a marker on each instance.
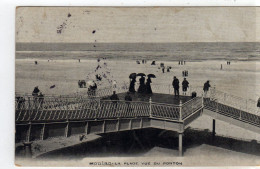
(132, 85)
(176, 86)
(141, 88)
(41, 99)
(148, 85)
(206, 88)
(35, 94)
(114, 98)
(35, 91)
(128, 100)
(185, 85)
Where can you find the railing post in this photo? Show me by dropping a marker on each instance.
(150, 106)
(180, 113)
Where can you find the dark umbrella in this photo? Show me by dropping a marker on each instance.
(132, 75)
(151, 76)
(140, 74)
(52, 86)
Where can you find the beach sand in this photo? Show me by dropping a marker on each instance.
(241, 78)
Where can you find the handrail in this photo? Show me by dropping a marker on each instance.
(240, 103)
(91, 108)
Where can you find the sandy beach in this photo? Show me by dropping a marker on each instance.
(241, 78)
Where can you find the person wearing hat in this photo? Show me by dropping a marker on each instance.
(35, 91)
(185, 85)
(176, 86)
(206, 88)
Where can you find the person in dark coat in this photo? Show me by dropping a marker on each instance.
(35, 91)
(92, 89)
(142, 87)
(114, 98)
(176, 86)
(148, 86)
(206, 87)
(132, 85)
(185, 85)
(41, 99)
(163, 69)
(128, 99)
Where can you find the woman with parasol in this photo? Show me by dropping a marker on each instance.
(148, 83)
(142, 87)
(132, 78)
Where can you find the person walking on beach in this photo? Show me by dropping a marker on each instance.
(175, 84)
(114, 86)
(79, 84)
(185, 85)
(148, 85)
(206, 88)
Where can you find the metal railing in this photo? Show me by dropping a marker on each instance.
(60, 108)
(240, 103)
(233, 106)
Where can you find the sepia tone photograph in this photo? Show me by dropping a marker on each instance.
(137, 86)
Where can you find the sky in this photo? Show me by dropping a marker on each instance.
(137, 25)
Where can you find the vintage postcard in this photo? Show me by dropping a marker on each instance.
(137, 86)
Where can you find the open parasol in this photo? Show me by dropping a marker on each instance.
(132, 76)
(140, 74)
(151, 76)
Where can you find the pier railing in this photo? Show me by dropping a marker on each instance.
(60, 109)
(240, 103)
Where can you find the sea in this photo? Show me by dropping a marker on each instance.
(192, 51)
